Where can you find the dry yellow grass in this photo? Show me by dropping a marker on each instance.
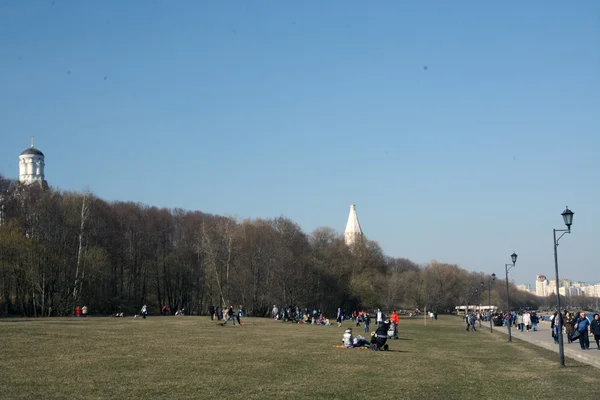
(194, 357)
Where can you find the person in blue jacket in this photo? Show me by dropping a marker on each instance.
(583, 326)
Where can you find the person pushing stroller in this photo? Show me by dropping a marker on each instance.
(393, 332)
(379, 338)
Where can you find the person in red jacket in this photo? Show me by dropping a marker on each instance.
(394, 318)
(78, 312)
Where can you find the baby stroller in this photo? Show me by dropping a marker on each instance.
(392, 333)
(379, 337)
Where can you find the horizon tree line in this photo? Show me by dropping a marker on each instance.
(63, 249)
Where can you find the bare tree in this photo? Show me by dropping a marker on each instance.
(85, 211)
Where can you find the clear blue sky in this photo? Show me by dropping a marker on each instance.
(268, 108)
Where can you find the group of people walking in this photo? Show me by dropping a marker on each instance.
(577, 327)
(229, 315)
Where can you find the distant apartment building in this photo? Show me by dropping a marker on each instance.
(541, 285)
(525, 288)
(545, 287)
(591, 290)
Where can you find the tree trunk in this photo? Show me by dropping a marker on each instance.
(84, 213)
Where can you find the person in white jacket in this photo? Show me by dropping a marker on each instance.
(347, 339)
(350, 341)
(527, 320)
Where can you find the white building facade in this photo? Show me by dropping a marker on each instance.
(545, 287)
(541, 285)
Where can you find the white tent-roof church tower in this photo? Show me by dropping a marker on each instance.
(353, 232)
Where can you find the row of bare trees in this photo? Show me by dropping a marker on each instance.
(59, 250)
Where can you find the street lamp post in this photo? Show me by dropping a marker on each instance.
(568, 218)
(480, 313)
(473, 291)
(472, 294)
(507, 267)
(475, 294)
(490, 280)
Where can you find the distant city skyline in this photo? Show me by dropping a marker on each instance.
(545, 287)
(461, 130)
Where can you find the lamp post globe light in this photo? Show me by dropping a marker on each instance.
(568, 219)
(507, 267)
(491, 279)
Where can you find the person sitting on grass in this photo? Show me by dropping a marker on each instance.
(360, 341)
(350, 341)
(347, 338)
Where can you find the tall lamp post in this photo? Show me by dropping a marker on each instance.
(490, 280)
(507, 267)
(568, 218)
(480, 313)
(475, 293)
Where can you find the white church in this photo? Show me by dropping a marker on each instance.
(31, 167)
(353, 232)
(31, 172)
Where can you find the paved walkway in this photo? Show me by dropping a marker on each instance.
(543, 338)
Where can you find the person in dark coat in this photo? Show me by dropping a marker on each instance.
(595, 328)
(380, 337)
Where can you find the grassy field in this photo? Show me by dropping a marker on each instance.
(193, 357)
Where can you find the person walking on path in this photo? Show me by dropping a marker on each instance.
(595, 329)
(520, 321)
(534, 321)
(583, 326)
(527, 320)
(555, 324)
(569, 323)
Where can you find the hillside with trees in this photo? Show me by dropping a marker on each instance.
(62, 249)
